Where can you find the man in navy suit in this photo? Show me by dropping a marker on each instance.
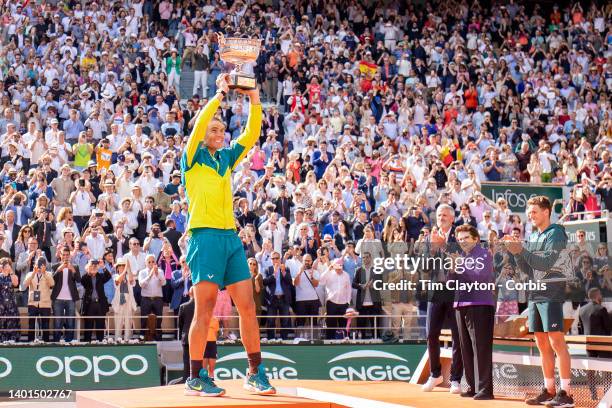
(466, 217)
(440, 307)
(94, 301)
(181, 282)
(277, 296)
(11, 230)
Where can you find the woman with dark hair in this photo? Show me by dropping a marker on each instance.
(9, 322)
(342, 235)
(575, 204)
(387, 232)
(21, 243)
(601, 257)
(475, 314)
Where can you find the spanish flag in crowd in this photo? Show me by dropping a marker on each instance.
(448, 156)
(368, 68)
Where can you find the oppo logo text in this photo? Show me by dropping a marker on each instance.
(51, 366)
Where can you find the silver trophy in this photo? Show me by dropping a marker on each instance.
(239, 51)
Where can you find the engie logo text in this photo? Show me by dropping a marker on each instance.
(371, 365)
(278, 367)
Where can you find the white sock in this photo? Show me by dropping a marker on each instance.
(549, 383)
(565, 384)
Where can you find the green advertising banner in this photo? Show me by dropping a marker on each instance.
(590, 227)
(517, 194)
(326, 362)
(78, 367)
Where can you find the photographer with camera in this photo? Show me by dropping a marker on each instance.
(153, 243)
(39, 283)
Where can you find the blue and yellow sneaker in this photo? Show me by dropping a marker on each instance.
(258, 383)
(203, 386)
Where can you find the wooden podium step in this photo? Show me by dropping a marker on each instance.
(292, 394)
(172, 397)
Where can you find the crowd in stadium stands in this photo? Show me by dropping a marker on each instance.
(375, 113)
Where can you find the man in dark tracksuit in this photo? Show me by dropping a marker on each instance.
(368, 302)
(540, 257)
(596, 321)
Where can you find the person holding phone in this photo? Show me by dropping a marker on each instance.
(95, 303)
(39, 283)
(42, 230)
(152, 279)
(124, 303)
(9, 327)
(64, 295)
(81, 201)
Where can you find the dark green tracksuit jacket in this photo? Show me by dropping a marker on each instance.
(540, 253)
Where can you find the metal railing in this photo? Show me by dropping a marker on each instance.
(603, 215)
(409, 326)
(314, 326)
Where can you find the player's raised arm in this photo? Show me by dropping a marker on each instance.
(241, 146)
